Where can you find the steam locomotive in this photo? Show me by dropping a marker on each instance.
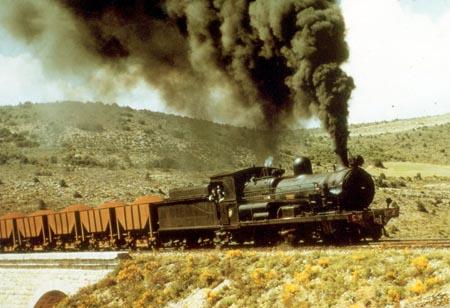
(257, 205)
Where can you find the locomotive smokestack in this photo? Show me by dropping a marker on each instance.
(278, 61)
(342, 157)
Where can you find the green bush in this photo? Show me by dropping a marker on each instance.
(43, 173)
(111, 163)
(90, 126)
(42, 205)
(3, 158)
(163, 163)
(63, 184)
(421, 207)
(149, 131)
(53, 159)
(81, 160)
(4, 133)
(26, 143)
(178, 134)
(378, 163)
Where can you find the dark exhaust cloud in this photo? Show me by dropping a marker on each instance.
(272, 61)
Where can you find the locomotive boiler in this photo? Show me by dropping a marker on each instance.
(345, 189)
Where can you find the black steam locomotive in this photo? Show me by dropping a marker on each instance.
(262, 205)
(256, 205)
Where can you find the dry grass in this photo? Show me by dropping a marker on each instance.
(411, 169)
(340, 278)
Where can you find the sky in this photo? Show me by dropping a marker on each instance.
(399, 59)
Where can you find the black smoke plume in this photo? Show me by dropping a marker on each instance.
(279, 59)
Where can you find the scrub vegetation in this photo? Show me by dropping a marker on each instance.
(275, 278)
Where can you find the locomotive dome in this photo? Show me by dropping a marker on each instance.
(302, 165)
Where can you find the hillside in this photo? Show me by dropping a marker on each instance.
(56, 154)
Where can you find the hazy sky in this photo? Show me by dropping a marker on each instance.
(399, 58)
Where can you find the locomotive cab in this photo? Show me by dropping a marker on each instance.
(233, 189)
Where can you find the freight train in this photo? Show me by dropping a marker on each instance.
(256, 205)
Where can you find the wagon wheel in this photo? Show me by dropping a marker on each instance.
(92, 244)
(153, 243)
(114, 243)
(311, 238)
(84, 245)
(192, 242)
(131, 245)
(222, 239)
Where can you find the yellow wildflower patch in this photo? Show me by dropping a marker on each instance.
(358, 257)
(432, 281)
(130, 272)
(302, 277)
(289, 291)
(324, 262)
(212, 296)
(142, 301)
(393, 295)
(234, 253)
(272, 274)
(258, 277)
(206, 277)
(420, 263)
(418, 287)
(391, 275)
(356, 274)
(357, 305)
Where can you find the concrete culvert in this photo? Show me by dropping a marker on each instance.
(50, 299)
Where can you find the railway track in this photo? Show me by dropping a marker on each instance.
(383, 244)
(413, 243)
(95, 259)
(386, 244)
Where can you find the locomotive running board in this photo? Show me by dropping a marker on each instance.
(359, 217)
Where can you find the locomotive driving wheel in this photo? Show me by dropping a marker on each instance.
(263, 238)
(311, 238)
(341, 234)
(376, 233)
